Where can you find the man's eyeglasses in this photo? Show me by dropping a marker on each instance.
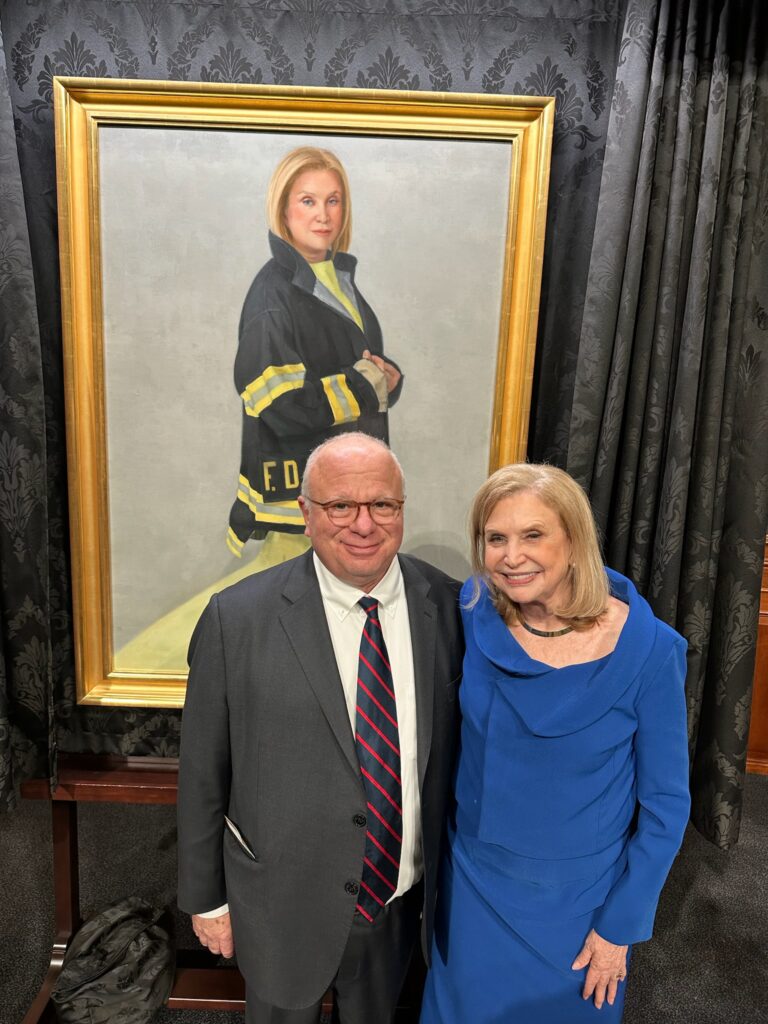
(344, 511)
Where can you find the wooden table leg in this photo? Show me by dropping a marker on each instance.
(66, 870)
(66, 897)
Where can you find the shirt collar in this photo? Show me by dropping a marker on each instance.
(342, 598)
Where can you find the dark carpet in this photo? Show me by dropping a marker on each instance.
(706, 964)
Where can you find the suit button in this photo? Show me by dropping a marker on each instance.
(352, 888)
(360, 820)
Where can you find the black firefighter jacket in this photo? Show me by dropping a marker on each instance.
(295, 373)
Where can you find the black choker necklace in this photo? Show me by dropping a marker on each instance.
(546, 632)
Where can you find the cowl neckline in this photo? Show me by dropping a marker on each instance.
(557, 701)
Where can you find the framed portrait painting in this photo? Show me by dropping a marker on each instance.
(163, 190)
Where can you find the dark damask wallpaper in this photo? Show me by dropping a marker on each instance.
(563, 49)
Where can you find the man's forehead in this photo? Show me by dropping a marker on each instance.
(355, 462)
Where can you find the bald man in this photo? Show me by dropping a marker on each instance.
(317, 741)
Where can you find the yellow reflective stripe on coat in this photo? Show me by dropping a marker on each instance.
(234, 543)
(266, 511)
(341, 400)
(275, 381)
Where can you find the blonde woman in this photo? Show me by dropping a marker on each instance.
(310, 360)
(572, 780)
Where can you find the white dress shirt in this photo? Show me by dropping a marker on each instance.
(345, 623)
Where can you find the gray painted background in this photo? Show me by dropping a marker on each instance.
(184, 232)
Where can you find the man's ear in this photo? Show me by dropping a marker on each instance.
(304, 506)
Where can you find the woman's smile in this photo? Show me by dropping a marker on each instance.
(527, 552)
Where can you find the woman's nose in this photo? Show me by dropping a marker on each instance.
(512, 553)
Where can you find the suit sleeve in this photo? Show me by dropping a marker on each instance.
(275, 387)
(661, 751)
(204, 770)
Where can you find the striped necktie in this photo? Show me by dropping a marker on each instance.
(378, 751)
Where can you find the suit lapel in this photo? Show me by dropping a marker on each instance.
(422, 617)
(305, 623)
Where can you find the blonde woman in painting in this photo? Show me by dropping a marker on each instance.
(309, 365)
(310, 360)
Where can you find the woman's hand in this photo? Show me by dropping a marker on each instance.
(390, 372)
(607, 967)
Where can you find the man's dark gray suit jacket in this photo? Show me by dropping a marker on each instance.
(267, 741)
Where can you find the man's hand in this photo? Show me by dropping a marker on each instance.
(607, 967)
(392, 374)
(215, 933)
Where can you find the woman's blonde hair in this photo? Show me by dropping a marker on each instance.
(560, 492)
(306, 158)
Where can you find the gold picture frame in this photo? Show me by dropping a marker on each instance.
(106, 290)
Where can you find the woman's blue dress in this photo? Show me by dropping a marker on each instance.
(571, 802)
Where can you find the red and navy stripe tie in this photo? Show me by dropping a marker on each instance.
(378, 750)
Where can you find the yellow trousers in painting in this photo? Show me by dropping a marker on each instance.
(162, 647)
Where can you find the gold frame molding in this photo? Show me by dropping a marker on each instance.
(82, 106)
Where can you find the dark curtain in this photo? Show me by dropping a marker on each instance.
(559, 48)
(26, 670)
(670, 408)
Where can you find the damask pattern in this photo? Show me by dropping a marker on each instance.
(612, 435)
(26, 697)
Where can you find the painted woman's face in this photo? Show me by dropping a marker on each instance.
(313, 213)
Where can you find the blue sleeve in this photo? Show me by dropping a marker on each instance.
(661, 752)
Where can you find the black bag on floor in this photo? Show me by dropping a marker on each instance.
(118, 968)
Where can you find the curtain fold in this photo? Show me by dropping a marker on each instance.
(670, 407)
(27, 736)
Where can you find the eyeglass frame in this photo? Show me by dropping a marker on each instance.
(357, 505)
